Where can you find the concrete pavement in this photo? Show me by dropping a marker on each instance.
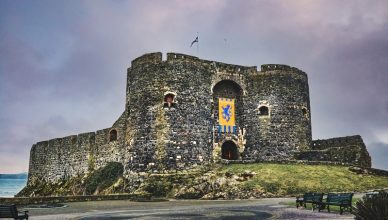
(273, 208)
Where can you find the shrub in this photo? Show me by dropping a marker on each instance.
(103, 177)
(158, 186)
(249, 185)
(375, 207)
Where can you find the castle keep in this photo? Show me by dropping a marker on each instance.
(183, 112)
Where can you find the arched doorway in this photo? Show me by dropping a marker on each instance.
(229, 150)
(227, 89)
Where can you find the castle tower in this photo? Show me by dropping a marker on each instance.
(169, 121)
(277, 113)
(184, 112)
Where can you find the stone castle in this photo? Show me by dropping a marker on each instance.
(172, 120)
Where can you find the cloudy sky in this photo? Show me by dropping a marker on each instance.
(63, 63)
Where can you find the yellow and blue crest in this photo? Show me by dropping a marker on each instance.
(226, 115)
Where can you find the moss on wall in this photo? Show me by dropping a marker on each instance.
(103, 178)
(162, 129)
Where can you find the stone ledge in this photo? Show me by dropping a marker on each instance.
(370, 171)
(272, 67)
(307, 162)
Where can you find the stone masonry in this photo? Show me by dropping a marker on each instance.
(171, 116)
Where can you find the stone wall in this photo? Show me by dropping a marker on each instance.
(349, 150)
(74, 155)
(287, 127)
(65, 199)
(60, 158)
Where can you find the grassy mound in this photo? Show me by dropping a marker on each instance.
(235, 181)
(285, 179)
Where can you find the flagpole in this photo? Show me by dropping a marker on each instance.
(198, 44)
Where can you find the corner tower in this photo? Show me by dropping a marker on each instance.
(169, 121)
(278, 117)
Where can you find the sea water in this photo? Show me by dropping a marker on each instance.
(10, 187)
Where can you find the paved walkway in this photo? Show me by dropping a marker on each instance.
(183, 209)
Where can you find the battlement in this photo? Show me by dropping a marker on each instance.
(172, 57)
(147, 58)
(222, 67)
(180, 56)
(231, 68)
(273, 67)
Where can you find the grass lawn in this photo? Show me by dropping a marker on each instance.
(296, 179)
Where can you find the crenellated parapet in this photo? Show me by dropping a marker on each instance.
(147, 58)
(280, 69)
(156, 58)
(171, 57)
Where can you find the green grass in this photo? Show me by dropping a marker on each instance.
(218, 182)
(103, 177)
(285, 179)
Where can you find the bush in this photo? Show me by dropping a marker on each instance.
(158, 186)
(375, 207)
(103, 177)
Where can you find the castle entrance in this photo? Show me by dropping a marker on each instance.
(229, 150)
(227, 109)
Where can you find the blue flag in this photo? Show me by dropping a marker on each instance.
(195, 41)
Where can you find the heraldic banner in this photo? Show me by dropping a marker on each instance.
(226, 116)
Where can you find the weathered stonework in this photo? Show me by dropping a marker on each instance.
(350, 150)
(171, 117)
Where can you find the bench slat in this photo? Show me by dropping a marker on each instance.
(10, 211)
(343, 200)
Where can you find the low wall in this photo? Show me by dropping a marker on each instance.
(65, 199)
(349, 150)
(370, 171)
(61, 158)
(306, 162)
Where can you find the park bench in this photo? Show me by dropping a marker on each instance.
(343, 200)
(313, 198)
(10, 211)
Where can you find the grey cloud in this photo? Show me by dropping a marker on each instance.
(63, 65)
(379, 152)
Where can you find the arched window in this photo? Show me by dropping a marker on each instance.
(263, 110)
(169, 100)
(113, 135)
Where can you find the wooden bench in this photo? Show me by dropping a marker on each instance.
(313, 198)
(343, 200)
(10, 211)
